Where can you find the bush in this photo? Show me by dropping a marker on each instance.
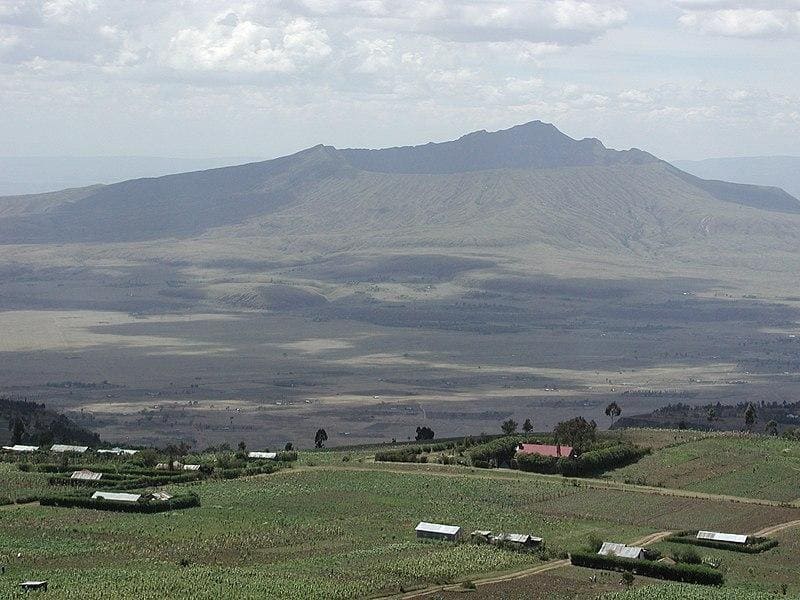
(496, 452)
(151, 506)
(688, 556)
(754, 545)
(678, 572)
(589, 463)
(286, 456)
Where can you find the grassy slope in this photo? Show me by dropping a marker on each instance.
(758, 467)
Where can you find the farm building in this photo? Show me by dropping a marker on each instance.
(86, 475)
(621, 550)
(435, 531)
(177, 466)
(523, 540)
(191, 467)
(557, 451)
(68, 448)
(117, 451)
(116, 496)
(163, 496)
(267, 455)
(33, 585)
(21, 448)
(715, 536)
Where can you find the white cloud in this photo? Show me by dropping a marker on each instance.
(227, 44)
(741, 19)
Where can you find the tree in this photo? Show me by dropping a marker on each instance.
(613, 411)
(147, 458)
(424, 433)
(288, 447)
(578, 433)
(527, 426)
(509, 427)
(17, 430)
(320, 438)
(711, 414)
(750, 416)
(772, 427)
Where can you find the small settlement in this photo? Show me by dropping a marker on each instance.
(622, 551)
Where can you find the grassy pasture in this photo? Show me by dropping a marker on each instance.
(756, 467)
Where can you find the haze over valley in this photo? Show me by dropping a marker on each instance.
(517, 273)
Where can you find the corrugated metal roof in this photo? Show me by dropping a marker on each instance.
(621, 550)
(545, 450)
(438, 528)
(118, 496)
(86, 475)
(518, 538)
(191, 467)
(722, 537)
(21, 448)
(68, 448)
(162, 496)
(269, 455)
(117, 451)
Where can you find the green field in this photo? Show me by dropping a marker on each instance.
(339, 525)
(756, 467)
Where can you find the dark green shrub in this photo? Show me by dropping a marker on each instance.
(754, 545)
(679, 572)
(153, 506)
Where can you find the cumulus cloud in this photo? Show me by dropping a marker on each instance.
(755, 19)
(230, 44)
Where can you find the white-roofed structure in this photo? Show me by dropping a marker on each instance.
(21, 448)
(116, 451)
(267, 455)
(519, 539)
(715, 536)
(621, 550)
(116, 496)
(436, 531)
(191, 467)
(86, 475)
(163, 496)
(68, 448)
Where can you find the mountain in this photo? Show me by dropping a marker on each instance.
(509, 177)
(782, 171)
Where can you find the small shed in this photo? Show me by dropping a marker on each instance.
(162, 496)
(266, 455)
(86, 475)
(177, 466)
(33, 585)
(436, 531)
(715, 536)
(68, 448)
(522, 540)
(191, 467)
(116, 496)
(21, 448)
(622, 551)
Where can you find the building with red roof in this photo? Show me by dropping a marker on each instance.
(557, 451)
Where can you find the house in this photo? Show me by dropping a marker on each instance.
(557, 451)
(435, 531)
(68, 448)
(21, 448)
(117, 451)
(521, 540)
(33, 585)
(191, 467)
(116, 496)
(622, 551)
(176, 466)
(267, 455)
(162, 496)
(715, 536)
(86, 475)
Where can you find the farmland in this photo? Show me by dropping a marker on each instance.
(339, 525)
(761, 467)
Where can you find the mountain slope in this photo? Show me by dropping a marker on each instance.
(527, 184)
(781, 171)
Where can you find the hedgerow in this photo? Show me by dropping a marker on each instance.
(684, 573)
(151, 506)
(754, 545)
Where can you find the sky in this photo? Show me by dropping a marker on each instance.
(684, 79)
